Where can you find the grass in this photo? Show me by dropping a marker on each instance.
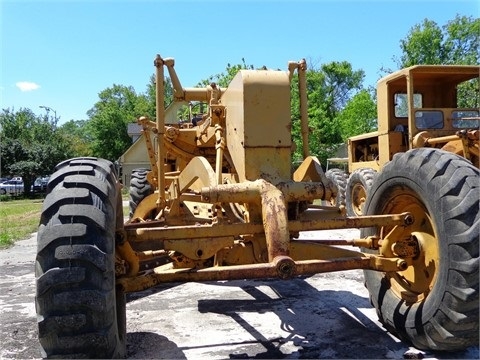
(19, 218)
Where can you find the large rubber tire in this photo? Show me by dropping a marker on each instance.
(434, 303)
(339, 178)
(80, 312)
(358, 186)
(140, 188)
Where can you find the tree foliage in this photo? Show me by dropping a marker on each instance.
(109, 118)
(150, 96)
(31, 145)
(359, 115)
(339, 106)
(75, 133)
(457, 42)
(329, 89)
(423, 45)
(462, 41)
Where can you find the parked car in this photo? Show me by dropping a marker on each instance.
(13, 187)
(40, 185)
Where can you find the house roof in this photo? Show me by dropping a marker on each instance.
(134, 129)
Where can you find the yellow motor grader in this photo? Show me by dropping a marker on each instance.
(418, 106)
(222, 202)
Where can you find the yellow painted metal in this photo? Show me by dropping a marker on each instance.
(233, 209)
(414, 283)
(219, 146)
(249, 252)
(144, 209)
(125, 252)
(147, 127)
(437, 85)
(301, 67)
(275, 221)
(311, 170)
(363, 151)
(302, 90)
(200, 248)
(162, 231)
(359, 197)
(308, 250)
(160, 113)
(250, 191)
(189, 144)
(464, 143)
(197, 174)
(281, 267)
(258, 131)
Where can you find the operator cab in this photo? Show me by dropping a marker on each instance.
(433, 91)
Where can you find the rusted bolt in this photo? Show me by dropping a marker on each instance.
(285, 267)
(119, 237)
(409, 220)
(402, 264)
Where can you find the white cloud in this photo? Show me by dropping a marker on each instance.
(27, 86)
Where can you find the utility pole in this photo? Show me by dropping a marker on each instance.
(48, 109)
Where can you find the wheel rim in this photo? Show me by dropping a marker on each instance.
(359, 196)
(416, 282)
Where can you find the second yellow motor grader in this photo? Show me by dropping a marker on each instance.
(419, 106)
(221, 201)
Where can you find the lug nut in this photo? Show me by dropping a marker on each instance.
(408, 220)
(402, 264)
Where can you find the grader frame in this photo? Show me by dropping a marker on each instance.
(187, 216)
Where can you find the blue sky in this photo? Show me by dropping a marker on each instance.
(61, 54)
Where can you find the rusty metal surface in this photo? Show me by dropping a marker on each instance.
(159, 231)
(275, 221)
(233, 198)
(282, 267)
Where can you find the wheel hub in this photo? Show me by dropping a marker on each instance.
(359, 196)
(407, 248)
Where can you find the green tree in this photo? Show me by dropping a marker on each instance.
(341, 83)
(149, 97)
(359, 115)
(462, 40)
(329, 89)
(423, 45)
(109, 118)
(457, 42)
(30, 145)
(75, 133)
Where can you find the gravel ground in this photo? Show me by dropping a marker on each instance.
(325, 316)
